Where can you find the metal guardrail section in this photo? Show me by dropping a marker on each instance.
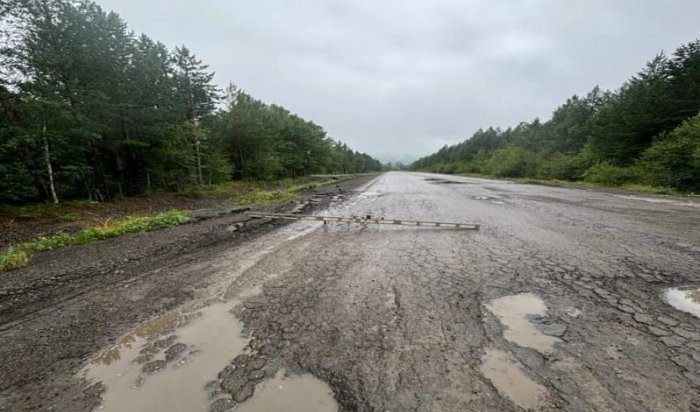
(356, 219)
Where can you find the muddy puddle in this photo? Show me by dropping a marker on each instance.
(303, 393)
(686, 299)
(165, 363)
(493, 200)
(368, 194)
(510, 380)
(516, 312)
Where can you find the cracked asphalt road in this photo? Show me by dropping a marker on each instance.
(395, 318)
(399, 318)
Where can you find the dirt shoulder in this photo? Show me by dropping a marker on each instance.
(71, 302)
(24, 223)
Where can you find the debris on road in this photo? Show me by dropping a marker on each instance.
(365, 219)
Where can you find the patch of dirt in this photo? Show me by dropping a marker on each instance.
(72, 217)
(73, 301)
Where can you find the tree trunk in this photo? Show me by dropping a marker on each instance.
(198, 158)
(148, 180)
(49, 168)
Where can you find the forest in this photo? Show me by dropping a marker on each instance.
(90, 110)
(645, 135)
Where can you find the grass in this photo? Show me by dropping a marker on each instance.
(263, 197)
(66, 211)
(88, 214)
(272, 193)
(636, 187)
(631, 187)
(18, 256)
(14, 258)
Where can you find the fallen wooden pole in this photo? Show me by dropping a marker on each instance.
(358, 219)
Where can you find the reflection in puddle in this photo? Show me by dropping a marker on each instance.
(146, 330)
(189, 352)
(510, 380)
(512, 311)
(686, 299)
(293, 394)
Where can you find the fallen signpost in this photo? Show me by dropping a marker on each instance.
(364, 220)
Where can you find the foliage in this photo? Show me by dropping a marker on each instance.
(264, 197)
(675, 160)
(13, 258)
(607, 174)
(90, 110)
(647, 133)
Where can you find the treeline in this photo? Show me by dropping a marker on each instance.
(90, 110)
(647, 132)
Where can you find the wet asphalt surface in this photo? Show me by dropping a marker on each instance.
(397, 318)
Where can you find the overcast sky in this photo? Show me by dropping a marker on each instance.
(405, 77)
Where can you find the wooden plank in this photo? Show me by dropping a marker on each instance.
(289, 216)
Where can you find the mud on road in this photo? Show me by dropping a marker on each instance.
(559, 302)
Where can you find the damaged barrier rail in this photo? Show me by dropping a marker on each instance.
(364, 219)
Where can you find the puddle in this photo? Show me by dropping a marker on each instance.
(367, 194)
(294, 393)
(164, 364)
(146, 330)
(450, 182)
(513, 312)
(510, 380)
(686, 299)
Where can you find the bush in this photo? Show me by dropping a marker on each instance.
(674, 161)
(563, 167)
(608, 175)
(13, 258)
(512, 162)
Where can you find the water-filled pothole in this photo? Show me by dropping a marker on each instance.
(165, 363)
(686, 299)
(514, 312)
(303, 393)
(510, 380)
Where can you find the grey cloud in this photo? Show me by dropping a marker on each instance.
(398, 78)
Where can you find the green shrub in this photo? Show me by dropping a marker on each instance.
(562, 167)
(512, 162)
(674, 161)
(13, 258)
(609, 175)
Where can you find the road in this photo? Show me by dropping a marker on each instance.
(556, 303)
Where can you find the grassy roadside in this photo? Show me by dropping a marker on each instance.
(629, 187)
(18, 256)
(82, 213)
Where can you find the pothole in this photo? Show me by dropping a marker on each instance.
(686, 299)
(450, 182)
(510, 380)
(165, 363)
(303, 393)
(367, 194)
(516, 312)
